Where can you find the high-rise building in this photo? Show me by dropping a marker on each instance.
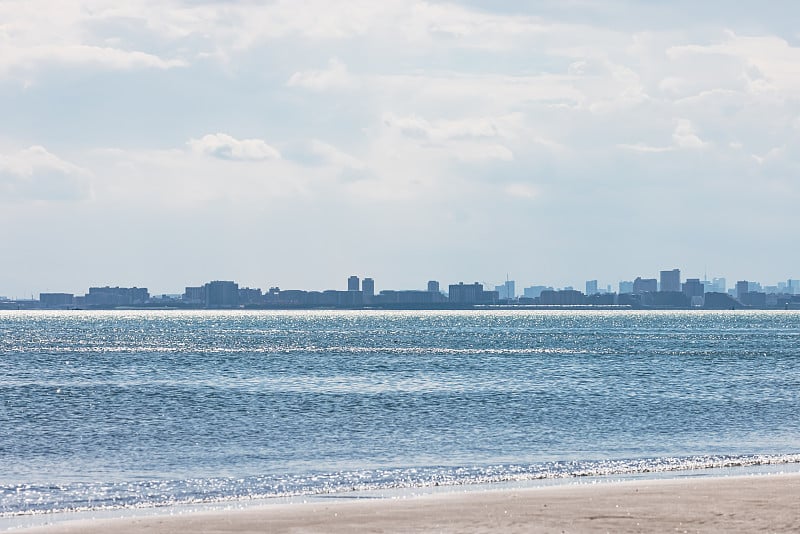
(507, 290)
(625, 287)
(742, 288)
(221, 294)
(693, 288)
(671, 280)
(352, 283)
(591, 287)
(367, 287)
(645, 285)
(433, 286)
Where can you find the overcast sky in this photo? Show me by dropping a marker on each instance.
(167, 143)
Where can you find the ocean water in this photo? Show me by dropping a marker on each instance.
(128, 409)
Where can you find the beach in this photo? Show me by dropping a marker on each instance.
(758, 503)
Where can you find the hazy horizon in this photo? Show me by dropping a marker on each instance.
(165, 144)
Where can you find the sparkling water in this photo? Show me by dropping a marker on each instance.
(124, 409)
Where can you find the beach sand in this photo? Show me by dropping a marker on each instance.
(762, 503)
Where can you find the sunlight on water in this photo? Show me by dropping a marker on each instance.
(142, 408)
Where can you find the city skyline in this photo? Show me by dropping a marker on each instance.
(163, 142)
(509, 285)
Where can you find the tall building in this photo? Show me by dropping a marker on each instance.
(693, 288)
(352, 283)
(591, 287)
(625, 287)
(221, 294)
(367, 288)
(462, 293)
(506, 291)
(645, 285)
(742, 288)
(671, 280)
(433, 286)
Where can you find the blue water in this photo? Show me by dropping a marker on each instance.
(123, 409)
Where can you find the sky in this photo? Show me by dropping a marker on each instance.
(166, 143)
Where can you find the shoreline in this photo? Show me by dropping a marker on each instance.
(741, 503)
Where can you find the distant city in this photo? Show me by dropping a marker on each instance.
(666, 292)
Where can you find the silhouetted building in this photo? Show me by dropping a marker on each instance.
(412, 297)
(645, 285)
(625, 287)
(116, 296)
(471, 294)
(56, 300)
(591, 287)
(533, 292)
(670, 281)
(433, 286)
(195, 295)
(693, 288)
(742, 288)
(755, 299)
(367, 290)
(715, 300)
(565, 297)
(221, 294)
(507, 290)
(249, 295)
(352, 283)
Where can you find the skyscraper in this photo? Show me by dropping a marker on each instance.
(671, 280)
(591, 287)
(433, 286)
(367, 287)
(352, 283)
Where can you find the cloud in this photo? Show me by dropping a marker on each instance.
(224, 146)
(684, 137)
(331, 155)
(28, 58)
(335, 76)
(36, 174)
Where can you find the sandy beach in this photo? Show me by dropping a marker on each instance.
(763, 503)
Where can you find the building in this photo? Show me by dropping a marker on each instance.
(462, 293)
(56, 300)
(221, 294)
(352, 283)
(625, 287)
(742, 288)
(694, 289)
(368, 289)
(591, 287)
(534, 292)
(507, 290)
(565, 297)
(433, 286)
(116, 296)
(249, 295)
(670, 281)
(194, 295)
(645, 285)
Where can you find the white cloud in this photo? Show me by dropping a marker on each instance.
(224, 146)
(335, 76)
(685, 136)
(36, 174)
(333, 156)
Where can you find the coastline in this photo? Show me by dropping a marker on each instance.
(747, 503)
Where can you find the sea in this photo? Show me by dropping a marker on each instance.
(131, 410)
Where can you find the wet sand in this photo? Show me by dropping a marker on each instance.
(763, 503)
